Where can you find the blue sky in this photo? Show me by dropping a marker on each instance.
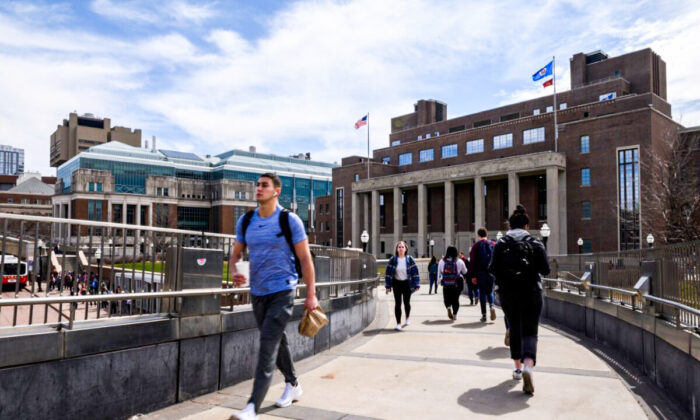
(293, 77)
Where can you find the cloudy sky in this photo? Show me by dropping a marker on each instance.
(294, 76)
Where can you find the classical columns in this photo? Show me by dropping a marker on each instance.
(397, 216)
(479, 204)
(355, 223)
(365, 215)
(422, 219)
(449, 213)
(513, 191)
(374, 235)
(553, 244)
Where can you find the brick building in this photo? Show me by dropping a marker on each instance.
(440, 179)
(28, 194)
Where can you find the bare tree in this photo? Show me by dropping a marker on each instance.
(672, 190)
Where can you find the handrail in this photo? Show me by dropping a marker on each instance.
(574, 283)
(614, 289)
(672, 303)
(153, 295)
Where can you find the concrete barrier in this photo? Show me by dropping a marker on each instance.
(669, 356)
(114, 368)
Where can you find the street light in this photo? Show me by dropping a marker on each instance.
(364, 238)
(349, 244)
(544, 233)
(580, 247)
(499, 235)
(432, 244)
(650, 240)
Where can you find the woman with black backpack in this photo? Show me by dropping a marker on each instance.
(402, 276)
(518, 261)
(450, 272)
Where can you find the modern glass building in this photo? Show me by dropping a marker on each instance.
(11, 160)
(199, 192)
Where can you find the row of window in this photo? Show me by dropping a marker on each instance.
(94, 186)
(28, 201)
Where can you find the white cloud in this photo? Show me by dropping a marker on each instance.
(167, 13)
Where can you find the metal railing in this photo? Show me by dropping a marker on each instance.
(56, 270)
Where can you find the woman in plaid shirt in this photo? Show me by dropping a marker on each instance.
(402, 276)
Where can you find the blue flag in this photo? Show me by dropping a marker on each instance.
(543, 72)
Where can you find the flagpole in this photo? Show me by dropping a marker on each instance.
(367, 144)
(554, 83)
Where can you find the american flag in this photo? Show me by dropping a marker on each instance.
(362, 121)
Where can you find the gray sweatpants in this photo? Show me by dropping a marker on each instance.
(272, 312)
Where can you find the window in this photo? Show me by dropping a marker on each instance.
(159, 191)
(427, 136)
(550, 108)
(586, 248)
(396, 142)
(617, 73)
(382, 211)
(482, 123)
(475, 146)
(449, 151)
(586, 177)
(339, 205)
(585, 144)
(503, 141)
(607, 96)
(94, 186)
(628, 187)
(357, 177)
(456, 129)
(586, 210)
(10, 200)
(165, 192)
(405, 159)
(437, 134)
(535, 135)
(193, 218)
(536, 111)
(386, 160)
(426, 155)
(509, 117)
(562, 105)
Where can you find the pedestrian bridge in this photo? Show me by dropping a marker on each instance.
(167, 336)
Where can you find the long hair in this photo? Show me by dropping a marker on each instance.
(396, 249)
(432, 261)
(451, 252)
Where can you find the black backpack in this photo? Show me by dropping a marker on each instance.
(518, 260)
(286, 231)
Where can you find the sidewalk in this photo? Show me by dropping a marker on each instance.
(435, 369)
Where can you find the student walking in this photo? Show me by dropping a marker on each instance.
(480, 258)
(402, 276)
(433, 274)
(277, 245)
(518, 261)
(450, 271)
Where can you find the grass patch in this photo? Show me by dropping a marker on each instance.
(148, 266)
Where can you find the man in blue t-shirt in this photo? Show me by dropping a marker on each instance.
(273, 279)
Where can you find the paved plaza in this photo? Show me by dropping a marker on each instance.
(439, 369)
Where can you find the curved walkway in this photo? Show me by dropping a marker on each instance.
(435, 368)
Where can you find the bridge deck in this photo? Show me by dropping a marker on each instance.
(436, 368)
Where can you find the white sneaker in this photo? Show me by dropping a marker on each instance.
(290, 394)
(517, 374)
(408, 322)
(528, 380)
(248, 413)
(397, 327)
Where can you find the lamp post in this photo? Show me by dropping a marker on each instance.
(650, 240)
(580, 247)
(499, 235)
(432, 245)
(544, 233)
(364, 237)
(349, 244)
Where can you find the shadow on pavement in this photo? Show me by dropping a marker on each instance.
(503, 398)
(471, 325)
(438, 322)
(493, 353)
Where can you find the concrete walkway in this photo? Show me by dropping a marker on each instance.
(436, 369)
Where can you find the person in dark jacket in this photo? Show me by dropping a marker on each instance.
(451, 272)
(433, 274)
(402, 276)
(479, 260)
(517, 263)
(472, 290)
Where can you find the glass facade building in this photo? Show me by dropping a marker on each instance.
(302, 180)
(11, 160)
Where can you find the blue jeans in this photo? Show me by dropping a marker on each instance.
(433, 281)
(484, 283)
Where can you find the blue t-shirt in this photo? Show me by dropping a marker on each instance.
(272, 267)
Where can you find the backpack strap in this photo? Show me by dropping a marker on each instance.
(246, 221)
(287, 232)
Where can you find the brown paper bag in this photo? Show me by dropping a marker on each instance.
(312, 322)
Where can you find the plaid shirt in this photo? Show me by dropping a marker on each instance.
(411, 269)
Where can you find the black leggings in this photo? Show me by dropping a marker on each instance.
(402, 289)
(522, 311)
(450, 295)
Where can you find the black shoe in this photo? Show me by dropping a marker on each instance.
(483, 318)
